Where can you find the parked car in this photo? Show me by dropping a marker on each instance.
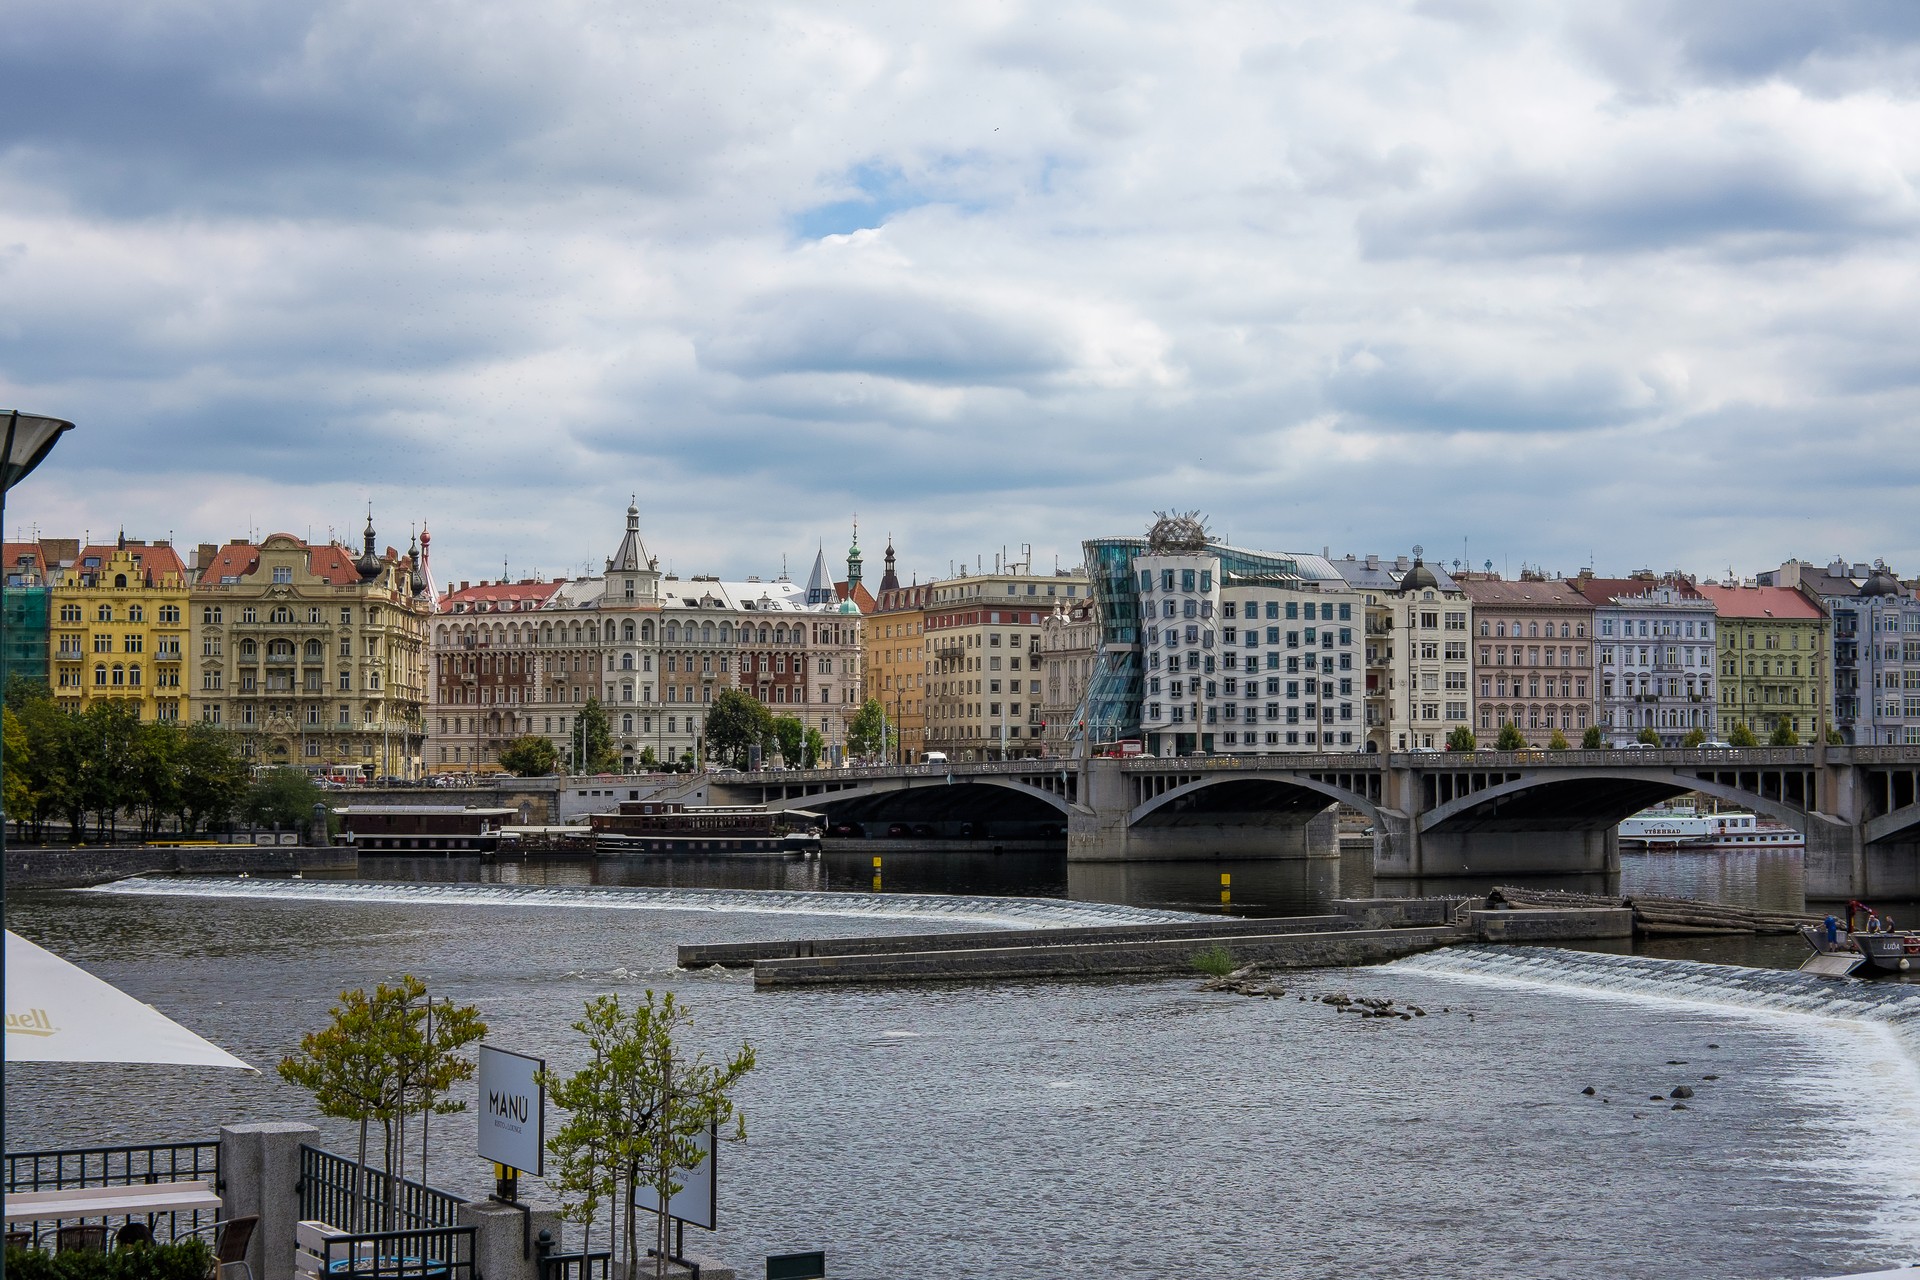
(923, 830)
(898, 831)
(848, 830)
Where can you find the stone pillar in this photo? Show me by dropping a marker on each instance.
(1835, 860)
(260, 1174)
(503, 1238)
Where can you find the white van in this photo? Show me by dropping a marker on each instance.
(934, 757)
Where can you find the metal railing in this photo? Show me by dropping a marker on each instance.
(431, 1253)
(133, 1166)
(551, 1264)
(337, 1191)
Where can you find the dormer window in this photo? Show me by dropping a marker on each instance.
(283, 574)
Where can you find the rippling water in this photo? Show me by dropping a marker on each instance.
(1118, 1129)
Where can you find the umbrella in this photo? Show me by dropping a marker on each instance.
(58, 1012)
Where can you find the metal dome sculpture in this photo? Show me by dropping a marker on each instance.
(1177, 534)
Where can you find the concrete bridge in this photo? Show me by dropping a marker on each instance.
(1434, 814)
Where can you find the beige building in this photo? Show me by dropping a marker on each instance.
(896, 660)
(1428, 660)
(1069, 638)
(984, 664)
(312, 656)
(1534, 658)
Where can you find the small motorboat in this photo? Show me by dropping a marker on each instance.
(1839, 952)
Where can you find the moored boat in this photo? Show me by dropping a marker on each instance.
(649, 826)
(1838, 951)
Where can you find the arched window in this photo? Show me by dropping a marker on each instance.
(442, 633)
(626, 630)
(247, 649)
(673, 633)
(313, 650)
(646, 632)
(100, 675)
(1533, 628)
(119, 579)
(626, 723)
(764, 633)
(1483, 626)
(626, 662)
(106, 613)
(1566, 632)
(133, 675)
(280, 648)
(706, 633)
(726, 633)
(780, 634)
(281, 614)
(119, 674)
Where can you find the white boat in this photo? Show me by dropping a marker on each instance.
(1683, 828)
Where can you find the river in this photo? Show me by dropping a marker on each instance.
(1125, 1128)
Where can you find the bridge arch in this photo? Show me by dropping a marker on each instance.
(1608, 797)
(1904, 821)
(896, 786)
(1254, 792)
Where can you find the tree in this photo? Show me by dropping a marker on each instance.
(813, 749)
(1592, 740)
(636, 1113)
(1648, 736)
(281, 797)
(647, 760)
(592, 742)
(212, 777)
(1834, 739)
(1511, 739)
(1783, 735)
(1742, 736)
(104, 742)
(1557, 741)
(1461, 739)
(737, 723)
(791, 736)
(870, 735)
(532, 756)
(1695, 738)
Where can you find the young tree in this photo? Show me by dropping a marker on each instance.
(212, 777)
(155, 781)
(1592, 739)
(636, 1112)
(1462, 739)
(18, 797)
(1783, 735)
(104, 739)
(283, 797)
(737, 723)
(813, 750)
(1694, 738)
(532, 756)
(1648, 736)
(1742, 736)
(646, 759)
(593, 740)
(870, 735)
(791, 735)
(1511, 739)
(1834, 739)
(1557, 741)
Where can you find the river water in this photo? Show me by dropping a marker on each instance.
(1126, 1128)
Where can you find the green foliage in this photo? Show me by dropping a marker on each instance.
(791, 736)
(1510, 739)
(17, 798)
(1592, 739)
(385, 1057)
(187, 1259)
(532, 756)
(1834, 739)
(1783, 735)
(1216, 961)
(1648, 736)
(282, 797)
(1557, 741)
(1694, 738)
(212, 777)
(646, 759)
(1462, 739)
(870, 735)
(636, 1113)
(1742, 736)
(813, 750)
(737, 723)
(592, 742)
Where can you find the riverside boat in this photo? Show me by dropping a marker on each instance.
(651, 826)
(423, 828)
(1685, 829)
(1889, 950)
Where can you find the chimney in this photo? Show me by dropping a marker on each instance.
(464, 584)
(1373, 561)
(204, 554)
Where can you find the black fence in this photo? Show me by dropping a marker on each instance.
(437, 1253)
(555, 1265)
(78, 1168)
(340, 1193)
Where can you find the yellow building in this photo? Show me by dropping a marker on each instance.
(118, 622)
(896, 662)
(1774, 643)
(316, 658)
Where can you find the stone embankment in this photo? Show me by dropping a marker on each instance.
(78, 866)
(1364, 932)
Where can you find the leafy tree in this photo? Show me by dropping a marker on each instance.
(1783, 735)
(1557, 741)
(870, 735)
(17, 799)
(636, 1113)
(1695, 738)
(1742, 736)
(1834, 739)
(532, 756)
(737, 723)
(212, 777)
(281, 797)
(155, 781)
(813, 750)
(1592, 739)
(104, 747)
(593, 741)
(1461, 739)
(1511, 739)
(791, 736)
(647, 760)
(1648, 736)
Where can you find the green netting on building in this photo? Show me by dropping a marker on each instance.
(23, 612)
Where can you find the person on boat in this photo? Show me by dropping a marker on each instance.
(1833, 932)
(1886, 924)
(1873, 922)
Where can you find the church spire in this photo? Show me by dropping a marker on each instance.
(819, 582)
(890, 580)
(632, 555)
(853, 560)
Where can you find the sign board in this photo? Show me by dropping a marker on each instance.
(694, 1201)
(797, 1266)
(513, 1110)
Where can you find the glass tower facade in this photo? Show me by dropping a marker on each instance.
(24, 610)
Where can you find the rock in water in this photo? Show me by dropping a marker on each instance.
(1589, 1091)
(1680, 1106)
(1681, 1091)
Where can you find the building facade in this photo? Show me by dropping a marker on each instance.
(1069, 640)
(1774, 646)
(896, 659)
(984, 662)
(1876, 648)
(118, 629)
(1533, 658)
(486, 672)
(313, 657)
(1412, 687)
(1654, 657)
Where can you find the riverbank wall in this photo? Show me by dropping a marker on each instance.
(80, 866)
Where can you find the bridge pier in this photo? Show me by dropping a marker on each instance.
(1099, 837)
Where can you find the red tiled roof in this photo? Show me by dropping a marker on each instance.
(495, 592)
(1603, 590)
(333, 565)
(235, 560)
(1552, 593)
(152, 558)
(1779, 603)
(862, 598)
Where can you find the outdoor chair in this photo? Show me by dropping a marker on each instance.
(134, 1233)
(88, 1239)
(20, 1240)
(230, 1241)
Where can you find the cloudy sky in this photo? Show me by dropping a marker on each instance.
(1630, 284)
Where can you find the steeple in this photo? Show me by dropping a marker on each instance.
(369, 562)
(890, 580)
(819, 583)
(427, 587)
(632, 555)
(853, 560)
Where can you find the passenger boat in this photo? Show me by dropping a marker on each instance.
(423, 828)
(1891, 950)
(652, 826)
(1685, 829)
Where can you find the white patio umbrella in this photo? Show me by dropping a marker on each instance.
(58, 1012)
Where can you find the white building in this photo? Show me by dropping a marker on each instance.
(1655, 659)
